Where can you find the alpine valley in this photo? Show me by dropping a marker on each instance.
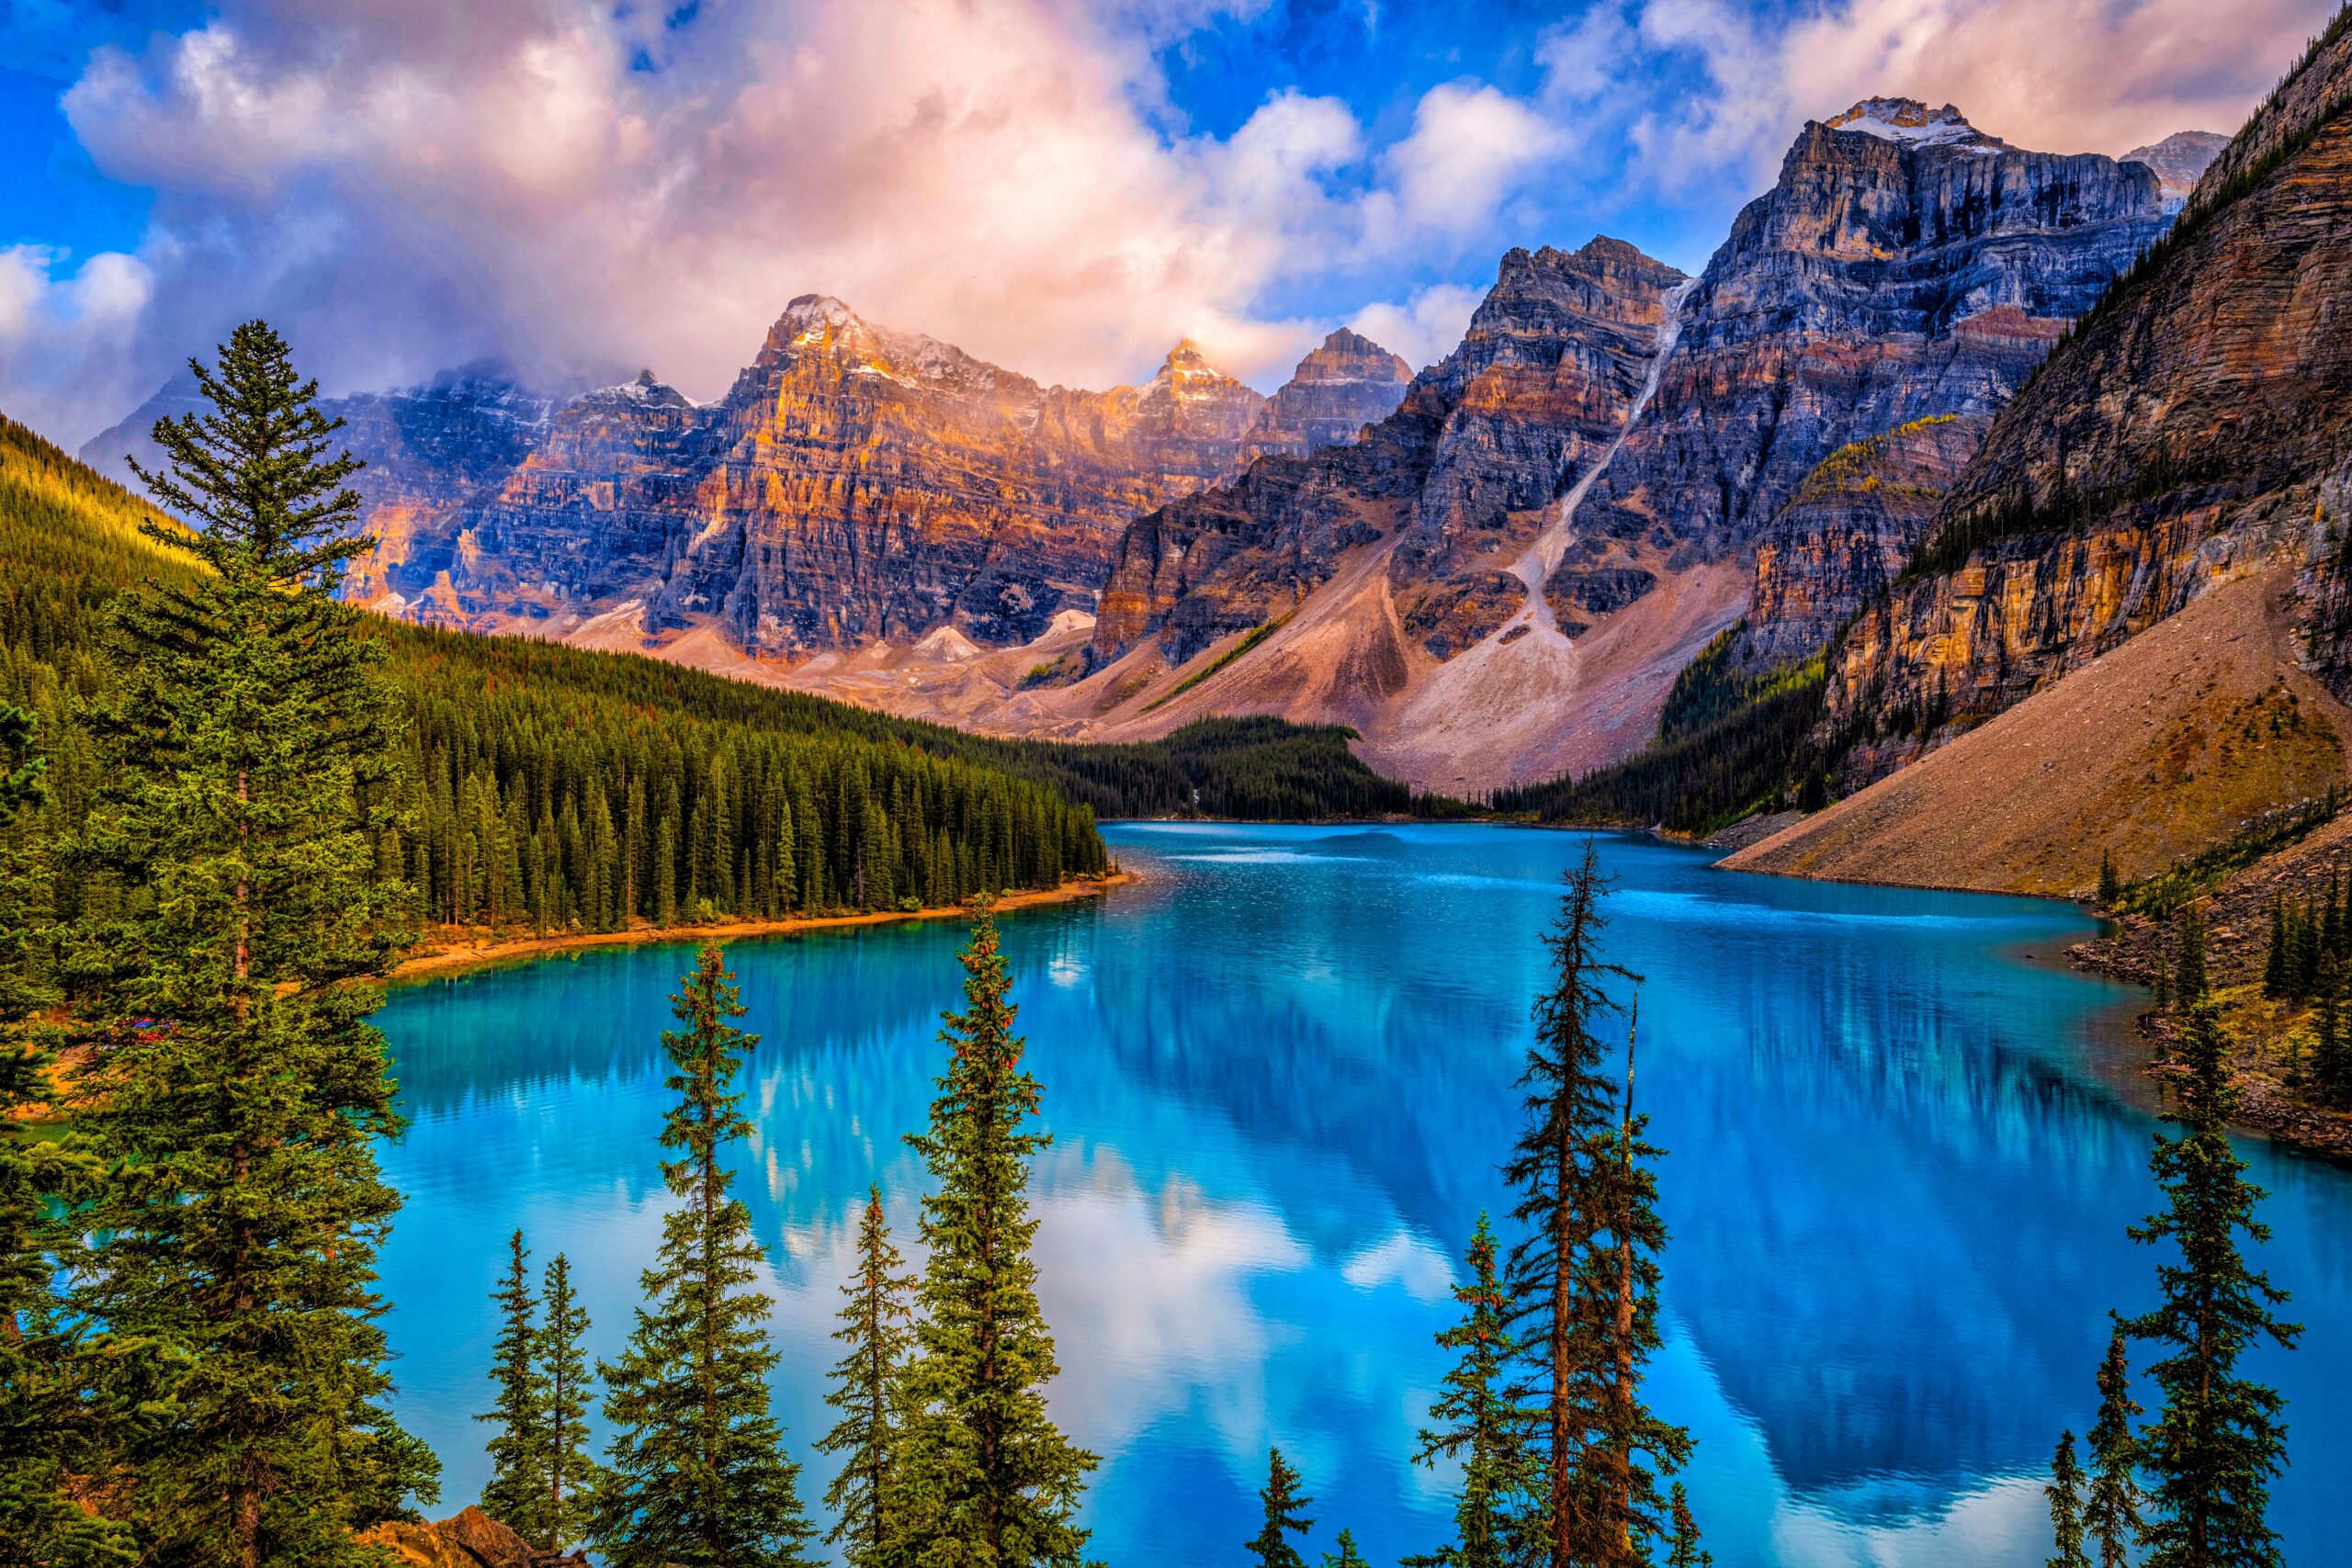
(1944, 426)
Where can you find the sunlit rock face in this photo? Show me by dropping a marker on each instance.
(855, 484)
(2198, 427)
(1904, 265)
(1346, 384)
(2179, 161)
(1481, 444)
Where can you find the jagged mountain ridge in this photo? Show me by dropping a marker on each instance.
(1905, 267)
(2189, 433)
(855, 485)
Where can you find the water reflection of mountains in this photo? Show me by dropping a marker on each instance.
(1894, 1204)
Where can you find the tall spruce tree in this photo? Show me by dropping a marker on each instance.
(1583, 1277)
(1477, 1423)
(237, 1084)
(2064, 1490)
(696, 1471)
(1283, 1504)
(1347, 1555)
(1684, 1550)
(514, 1493)
(876, 1325)
(2111, 1511)
(566, 1469)
(2217, 1440)
(987, 1479)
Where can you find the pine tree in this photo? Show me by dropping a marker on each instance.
(568, 1471)
(2216, 1441)
(2111, 1513)
(247, 778)
(2188, 973)
(988, 1478)
(2274, 966)
(1476, 1421)
(697, 1474)
(514, 1495)
(2110, 886)
(867, 1391)
(1347, 1556)
(1584, 1279)
(46, 1436)
(2065, 1491)
(1283, 1503)
(1684, 1550)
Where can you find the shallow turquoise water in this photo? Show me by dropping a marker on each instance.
(1279, 1074)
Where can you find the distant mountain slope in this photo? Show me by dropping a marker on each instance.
(2197, 427)
(857, 486)
(2165, 745)
(1534, 601)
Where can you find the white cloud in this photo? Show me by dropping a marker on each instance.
(1426, 327)
(68, 337)
(1470, 147)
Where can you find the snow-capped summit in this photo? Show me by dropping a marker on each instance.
(1909, 121)
(646, 390)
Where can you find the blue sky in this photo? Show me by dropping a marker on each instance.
(576, 187)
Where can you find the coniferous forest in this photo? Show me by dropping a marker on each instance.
(231, 801)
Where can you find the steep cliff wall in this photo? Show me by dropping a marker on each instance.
(2184, 436)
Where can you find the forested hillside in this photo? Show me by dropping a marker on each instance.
(565, 788)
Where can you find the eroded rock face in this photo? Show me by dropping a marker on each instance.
(1482, 444)
(2194, 431)
(1904, 265)
(1348, 383)
(2179, 161)
(855, 484)
(1845, 536)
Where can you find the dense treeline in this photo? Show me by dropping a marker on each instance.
(1759, 752)
(1257, 767)
(560, 788)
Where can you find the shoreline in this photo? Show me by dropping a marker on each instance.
(459, 957)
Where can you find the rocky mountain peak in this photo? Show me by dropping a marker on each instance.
(1348, 383)
(1913, 124)
(2179, 161)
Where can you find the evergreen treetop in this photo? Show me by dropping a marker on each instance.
(514, 1496)
(988, 1478)
(697, 1474)
(2111, 1511)
(2217, 1439)
(1477, 1423)
(565, 1468)
(1283, 1504)
(2065, 1491)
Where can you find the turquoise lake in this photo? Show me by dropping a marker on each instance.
(1280, 1075)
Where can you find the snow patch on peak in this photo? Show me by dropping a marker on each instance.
(646, 390)
(811, 314)
(1913, 123)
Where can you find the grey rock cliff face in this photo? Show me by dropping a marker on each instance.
(1348, 383)
(1894, 272)
(1482, 443)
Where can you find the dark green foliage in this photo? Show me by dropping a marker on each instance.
(50, 1431)
(2110, 886)
(1714, 685)
(1255, 636)
(2331, 1074)
(2168, 889)
(514, 1496)
(233, 913)
(2188, 964)
(1283, 1503)
(1256, 767)
(1584, 1279)
(1477, 1423)
(986, 1478)
(565, 1468)
(867, 1391)
(697, 1474)
(2111, 1512)
(1347, 1556)
(2216, 1440)
(1684, 1550)
(2066, 1493)
(1762, 752)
